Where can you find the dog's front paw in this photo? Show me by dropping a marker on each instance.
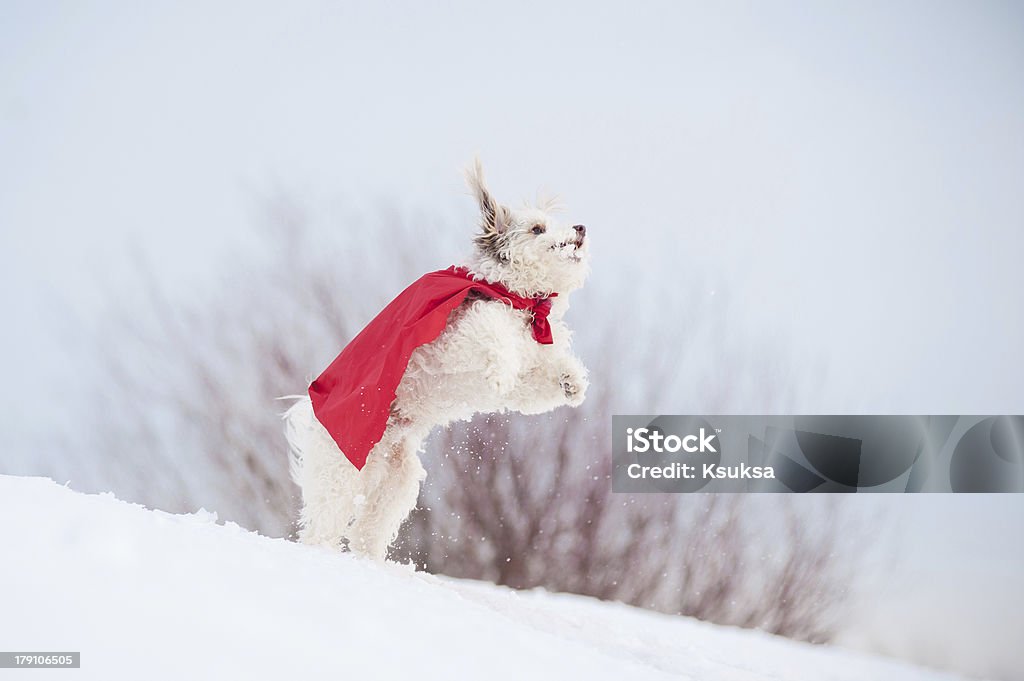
(501, 382)
(574, 385)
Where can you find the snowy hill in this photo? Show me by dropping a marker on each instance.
(146, 594)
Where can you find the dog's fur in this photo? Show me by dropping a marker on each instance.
(485, 360)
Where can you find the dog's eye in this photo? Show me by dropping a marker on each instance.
(538, 229)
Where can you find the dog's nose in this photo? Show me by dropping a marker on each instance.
(580, 229)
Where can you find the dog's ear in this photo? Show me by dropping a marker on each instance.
(494, 217)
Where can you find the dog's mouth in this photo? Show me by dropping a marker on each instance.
(569, 249)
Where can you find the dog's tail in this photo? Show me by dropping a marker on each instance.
(330, 484)
(298, 427)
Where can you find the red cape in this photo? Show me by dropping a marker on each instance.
(352, 397)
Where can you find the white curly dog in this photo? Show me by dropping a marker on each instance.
(485, 360)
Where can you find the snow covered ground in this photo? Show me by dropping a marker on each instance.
(146, 594)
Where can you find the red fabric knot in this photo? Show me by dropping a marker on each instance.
(538, 306)
(541, 327)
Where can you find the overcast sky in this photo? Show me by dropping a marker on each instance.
(855, 173)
